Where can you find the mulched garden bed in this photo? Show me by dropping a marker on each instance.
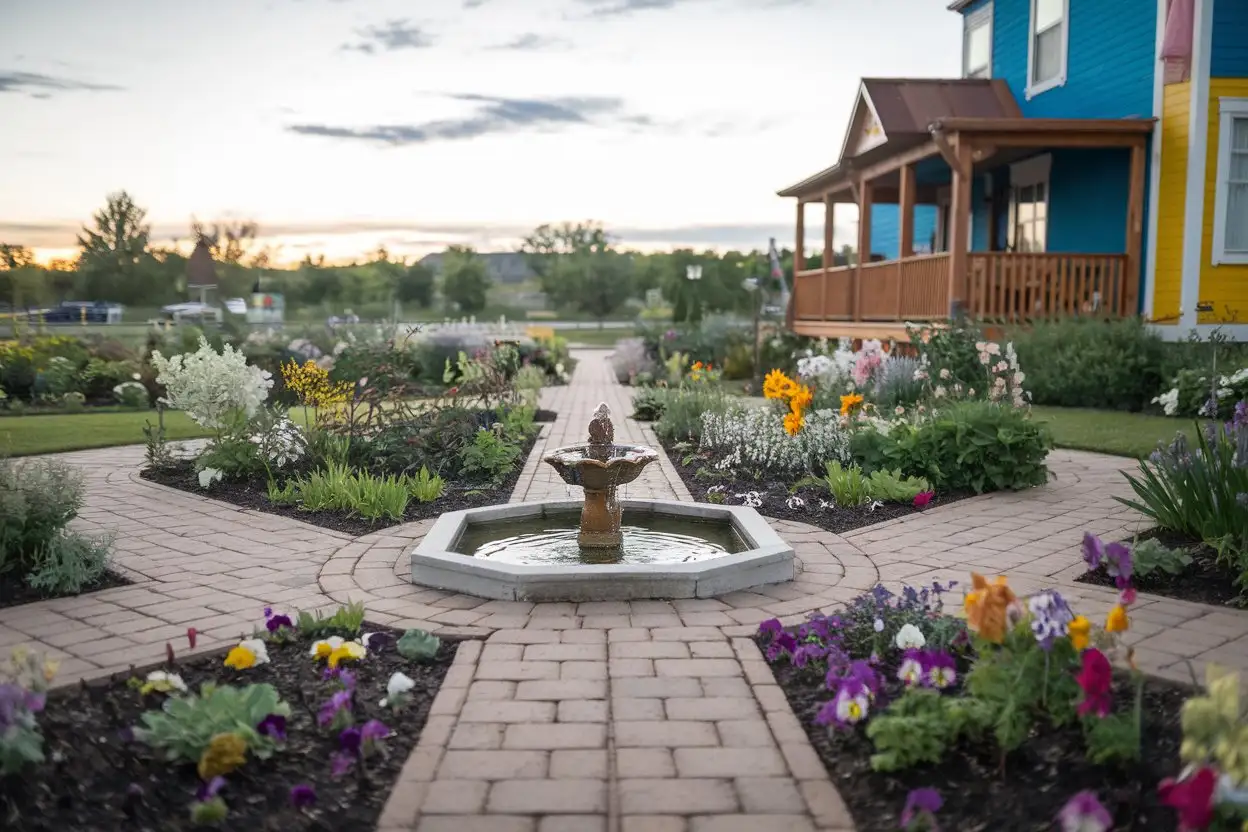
(254, 495)
(14, 591)
(1204, 581)
(775, 495)
(1038, 779)
(98, 779)
(545, 416)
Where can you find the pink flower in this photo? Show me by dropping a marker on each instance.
(923, 498)
(1192, 798)
(1095, 679)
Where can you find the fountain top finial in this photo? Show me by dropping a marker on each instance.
(601, 430)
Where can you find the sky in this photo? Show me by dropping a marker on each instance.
(342, 125)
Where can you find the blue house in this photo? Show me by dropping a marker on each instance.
(1093, 159)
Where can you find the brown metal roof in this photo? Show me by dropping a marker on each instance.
(908, 105)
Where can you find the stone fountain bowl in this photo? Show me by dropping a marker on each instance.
(577, 467)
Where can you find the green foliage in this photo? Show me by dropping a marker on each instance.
(337, 488)
(426, 487)
(185, 725)
(418, 645)
(234, 455)
(209, 812)
(1215, 726)
(465, 279)
(529, 381)
(649, 403)
(892, 487)
(415, 284)
(345, 622)
(972, 446)
(681, 417)
(1152, 555)
(69, 563)
(489, 457)
(847, 486)
(921, 725)
(38, 498)
(952, 348)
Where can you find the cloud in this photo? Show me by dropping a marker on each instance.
(44, 86)
(474, 4)
(492, 115)
(395, 34)
(532, 42)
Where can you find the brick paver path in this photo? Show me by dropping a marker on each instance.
(644, 715)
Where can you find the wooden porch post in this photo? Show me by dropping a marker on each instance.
(1135, 231)
(799, 256)
(905, 246)
(865, 189)
(959, 224)
(829, 213)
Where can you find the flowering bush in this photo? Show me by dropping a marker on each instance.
(23, 685)
(212, 388)
(751, 440)
(131, 394)
(1194, 393)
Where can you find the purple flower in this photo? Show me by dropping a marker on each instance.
(341, 675)
(374, 730)
(341, 763)
(349, 740)
(864, 674)
(277, 622)
(268, 612)
(208, 790)
(771, 626)
(274, 726)
(377, 642)
(1118, 564)
(784, 642)
(340, 701)
(939, 668)
(15, 701)
(1050, 617)
(302, 796)
(1084, 813)
(921, 805)
(1093, 551)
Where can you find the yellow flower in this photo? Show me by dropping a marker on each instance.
(801, 399)
(778, 386)
(352, 650)
(849, 402)
(793, 423)
(1117, 621)
(1080, 630)
(240, 658)
(987, 607)
(225, 753)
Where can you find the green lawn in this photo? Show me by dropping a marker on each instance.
(593, 337)
(1122, 434)
(26, 435)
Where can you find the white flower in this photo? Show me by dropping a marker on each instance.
(852, 708)
(879, 625)
(1169, 401)
(210, 475)
(325, 645)
(258, 648)
(939, 392)
(136, 376)
(160, 680)
(910, 637)
(899, 410)
(396, 688)
(209, 386)
(944, 373)
(795, 502)
(971, 392)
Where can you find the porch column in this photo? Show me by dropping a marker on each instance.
(1135, 230)
(799, 256)
(865, 189)
(960, 225)
(829, 214)
(905, 246)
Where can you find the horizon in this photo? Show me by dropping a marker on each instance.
(331, 124)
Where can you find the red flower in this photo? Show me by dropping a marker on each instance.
(1192, 798)
(923, 498)
(191, 634)
(1095, 679)
(169, 652)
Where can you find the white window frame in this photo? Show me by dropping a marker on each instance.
(981, 17)
(1034, 171)
(1230, 110)
(1033, 88)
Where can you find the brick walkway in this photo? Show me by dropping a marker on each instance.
(645, 715)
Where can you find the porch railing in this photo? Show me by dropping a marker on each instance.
(913, 289)
(1012, 286)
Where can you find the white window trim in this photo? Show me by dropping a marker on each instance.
(1229, 110)
(1034, 89)
(1033, 171)
(980, 17)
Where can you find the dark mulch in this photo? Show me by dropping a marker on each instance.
(1204, 581)
(14, 591)
(1038, 778)
(254, 495)
(545, 416)
(775, 495)
(91, 765)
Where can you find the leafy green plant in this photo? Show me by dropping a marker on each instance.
(418, 645)
(649, 403)
(337, 488)
(69, 562)
(346, 622)
(185, 725)
(489, 457)
(921, 725)
(234, 455)
(1152, 555)
(892, 487)
(38, 499)
(426, 487)
(847, 485)
(681, 417)
(529, 381)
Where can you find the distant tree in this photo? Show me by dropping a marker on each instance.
(465, 279)
(15, 257)
(114, 262)
(577, 266)
(415, 285)
(230, 241)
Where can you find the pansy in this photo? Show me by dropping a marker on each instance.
(248, 653)
(163, 682)
(1093, 550)
(1084, 813)
(372, 731)
(339, 703)
(1080, 630)
(322, 648)
(909, 637)
(911, 671)
(941, 669)
(1116, 621)
(1119, 564)
(1050, 617)
(921, 807)
(990, 607)
(1191, 797)
(302, 796)
(274, 623)
(397, 688)
(852, 702)
(923, 498)
(273, 726)
(1095, 680)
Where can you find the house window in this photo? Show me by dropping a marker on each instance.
(1046, 54)
(1029, 205)
(977, 43)
(1230, 213)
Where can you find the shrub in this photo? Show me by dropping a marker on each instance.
(629, 359)
(58, 377)
(1114, 364)
(896, 384)
(753, 440)
(529, 381)
(489, 457)
(69, 563)
(649, 403)
(970, 446)
(186, 725)
(892, 487)
(131, 394)
(681, 418)
(435, 439)
(100, 378)
(1196, 393)
(953, 348)
(337, 488)
(212, 387)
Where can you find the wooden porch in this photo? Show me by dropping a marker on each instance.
(877, 299)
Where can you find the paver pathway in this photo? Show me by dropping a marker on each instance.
(648, 715)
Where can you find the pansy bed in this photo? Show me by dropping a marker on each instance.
(304, 726)
(1024, 716)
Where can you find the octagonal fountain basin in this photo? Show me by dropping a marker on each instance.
(530, 552)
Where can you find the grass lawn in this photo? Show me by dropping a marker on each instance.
(26, 435)
(1122, 434)
(594, 337)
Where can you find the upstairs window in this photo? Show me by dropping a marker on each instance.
(1046, 54)
(1230, 213)
(977, 43)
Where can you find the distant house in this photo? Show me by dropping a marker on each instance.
(503, 266)
(1091, 160)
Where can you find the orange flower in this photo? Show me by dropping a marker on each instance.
(848, 403)
(1117, 621)
(801, 399)
(697, 365)
(1080, 631)
(793, 423)
(988, 607)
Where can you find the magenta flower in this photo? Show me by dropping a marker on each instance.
(771, 626)
(920, 810)
(1084, 813)
(939, 669)
(373, 730)
(923, 498)
(1093, 551)
(302, 796)
(1095, 679)
(273, 725)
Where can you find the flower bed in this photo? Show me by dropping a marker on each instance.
(1016, 718)
(15, 591)
(325, 757)
(1190, 572)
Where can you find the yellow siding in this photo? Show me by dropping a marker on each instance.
(1171, 202)
(1226, 286)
